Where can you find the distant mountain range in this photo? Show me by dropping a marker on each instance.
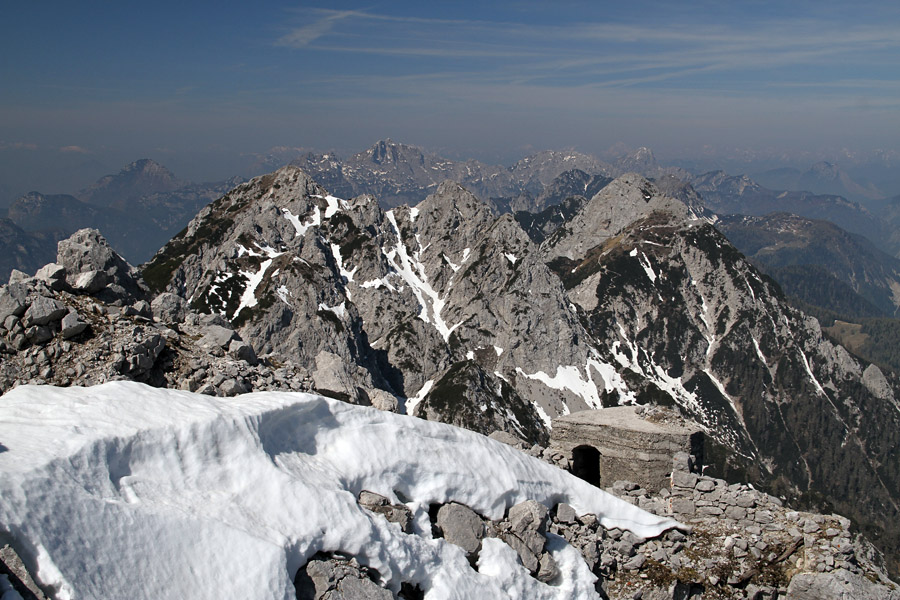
(822, 178)
(728, 194)
(138, 209)
(819, 263)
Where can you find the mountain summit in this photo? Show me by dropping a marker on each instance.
(455, 312)
(140, 178)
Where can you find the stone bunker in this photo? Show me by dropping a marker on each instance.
(626, 443)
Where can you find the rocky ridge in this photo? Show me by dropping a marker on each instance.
(454, 312)
(807, 255)
(499, 317)
(88, 319)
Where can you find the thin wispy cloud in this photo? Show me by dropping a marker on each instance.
(494, 75)
(307, 34)
(615, 54)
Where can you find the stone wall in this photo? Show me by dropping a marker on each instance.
(625, 443)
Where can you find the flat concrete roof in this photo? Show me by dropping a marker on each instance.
(625, 417)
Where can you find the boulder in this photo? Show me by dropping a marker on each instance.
(241, 350)
(86, 251)
(38, 334)
(217, 336)
(337, 578)
(383, 400)
(529, 516)
(461, 526)
(565, 513)
(233, 387)
(169, 308)
(72, 325)
(528, 522)
(13, 300)
(43, 311)
(17, 276)
(52, 274)
(90, 282)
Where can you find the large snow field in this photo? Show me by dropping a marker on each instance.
(126, 491)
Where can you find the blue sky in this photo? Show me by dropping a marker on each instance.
(195, 85)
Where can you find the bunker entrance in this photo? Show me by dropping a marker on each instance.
(586, 464)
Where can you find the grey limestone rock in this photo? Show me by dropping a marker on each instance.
(528, 516)
(243, 351)
(217, 336)
(43, 311)
(565, 513)
(17, 276)
(53, 274)
(170, 308)
(72, 325)
(85, 253)
(327, 577)
(837, 585)
(13, 300)
(395, 513)
(383, 400)
(528, 527)
(460, 525)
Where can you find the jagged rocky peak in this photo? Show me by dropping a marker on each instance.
(625, 200)
(826, 171)
(137, 179)
(390, 152)
(148, 168)
(452, 209)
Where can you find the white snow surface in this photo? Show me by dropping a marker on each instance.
(412, 271)
(248, 298)
(301, 228)
(127, 491)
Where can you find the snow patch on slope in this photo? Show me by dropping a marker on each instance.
(301, 228)
(172, 491)
(412, 271)
(582, 385)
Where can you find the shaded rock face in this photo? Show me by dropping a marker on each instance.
(636, 298)
(691, 322)
(852, 277)
(405, 299)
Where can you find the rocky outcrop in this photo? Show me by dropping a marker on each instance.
(333, 577)
(54, 333)
(688, 319)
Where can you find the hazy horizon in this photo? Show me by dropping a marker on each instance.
(198, 88)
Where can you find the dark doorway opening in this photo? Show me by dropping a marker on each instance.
(586, 464)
